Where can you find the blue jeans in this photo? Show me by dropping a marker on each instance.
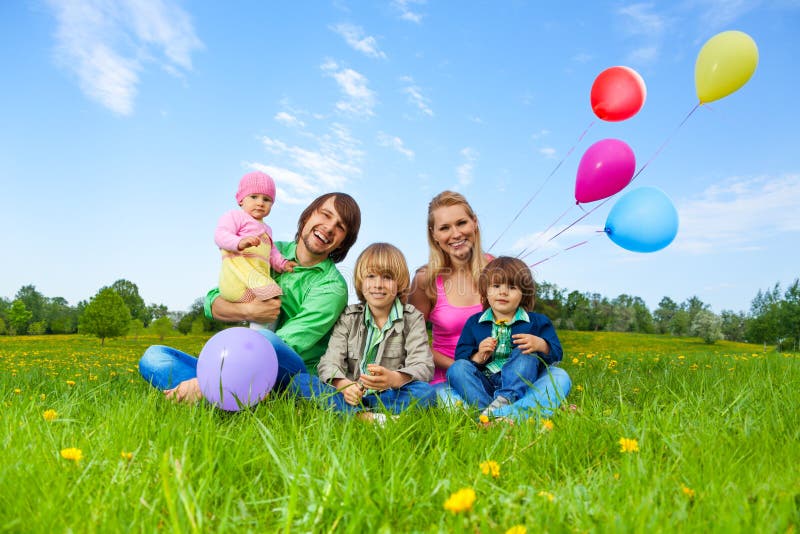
(544, 396)
(165, 367)
(415, 393)
(512, 382)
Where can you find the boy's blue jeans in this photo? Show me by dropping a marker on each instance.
(165, 367)
(415, 393)
(541, 391)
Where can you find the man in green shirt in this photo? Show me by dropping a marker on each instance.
(314, 295)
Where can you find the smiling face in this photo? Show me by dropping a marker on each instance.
(323, 232)
(257, 205)
(504, 299)
(379, 292)
(453, 231)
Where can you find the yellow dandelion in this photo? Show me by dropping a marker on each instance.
(547, 495)
(628, 445)
(579, 388)
(681, 357)
(484, 419)
(460, 501)
(126, 455)
(547, 425)
(575, 360)
(616, 476)
(490, 467)
(70, 382)
(42, 396)
(72, 453)
(50, 415)
(17, 391)
(517, 529)
(689, 492)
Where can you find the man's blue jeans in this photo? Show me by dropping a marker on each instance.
(165, 367)
(414, 394)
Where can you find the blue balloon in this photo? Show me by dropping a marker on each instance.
(643, 220)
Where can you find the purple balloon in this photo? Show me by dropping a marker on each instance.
(605, 168)
(237, 367)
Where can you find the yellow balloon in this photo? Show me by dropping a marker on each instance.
(724, 64)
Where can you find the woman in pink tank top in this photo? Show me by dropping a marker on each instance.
(446, 290)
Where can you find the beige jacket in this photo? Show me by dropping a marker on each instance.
(404, 347)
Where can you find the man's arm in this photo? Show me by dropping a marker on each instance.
(260, 311)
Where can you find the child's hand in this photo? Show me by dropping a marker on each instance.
(352, 391)
(249, 241)
(528, 343)
(485, 350)
(380, 378)
(289, 267)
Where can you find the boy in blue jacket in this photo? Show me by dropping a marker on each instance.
(501, 349)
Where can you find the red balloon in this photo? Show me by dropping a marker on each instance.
(618, 93)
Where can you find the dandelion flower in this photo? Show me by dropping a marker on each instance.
(547, 495)
(50, 415)
(484, 419)
(460, 501)
(517, 529)
(616, 476)
(70, 382)
(17, 391)
(689, 492)
(72, 453)
(628, 445)
(547, 425)
(42, 396)
(579, 388)
(126, 455)
(490, 467)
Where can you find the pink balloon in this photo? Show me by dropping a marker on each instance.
(605, 168)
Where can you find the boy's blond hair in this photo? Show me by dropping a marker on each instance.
(383, 259)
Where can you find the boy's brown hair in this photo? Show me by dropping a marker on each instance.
(386, 260)
(511, 271)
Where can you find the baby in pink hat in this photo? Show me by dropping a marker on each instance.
(245, 242)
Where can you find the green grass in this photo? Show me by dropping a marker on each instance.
(718, 421)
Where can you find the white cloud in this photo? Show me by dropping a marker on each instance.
(641, 20)
(721, 13)
(331, 164)
(582, 57)
(394, 142)
(288, 119)
(548, 152)
(107, 44)
(360, 99)
(464, 171)
(415, 96)
(738, 213)
(406, 13)
(354, 36)
(645, 54)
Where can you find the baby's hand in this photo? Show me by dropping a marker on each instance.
(249, 241)
(289, 267)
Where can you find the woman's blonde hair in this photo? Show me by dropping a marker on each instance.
(386, 260)
(438, 261)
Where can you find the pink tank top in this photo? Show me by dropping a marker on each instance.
(447, 323)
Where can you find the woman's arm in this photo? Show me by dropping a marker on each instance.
(417, 296)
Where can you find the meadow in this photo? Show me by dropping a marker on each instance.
(665, 434)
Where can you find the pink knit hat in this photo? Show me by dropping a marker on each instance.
(253, 183)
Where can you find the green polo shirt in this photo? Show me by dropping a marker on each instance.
(313, 298)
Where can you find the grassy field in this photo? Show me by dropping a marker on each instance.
(711, 439)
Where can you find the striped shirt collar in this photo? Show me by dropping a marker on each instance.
(395, 313)
(520, 315)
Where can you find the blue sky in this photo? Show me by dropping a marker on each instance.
(127, 124)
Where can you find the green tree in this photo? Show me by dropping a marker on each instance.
(707, 326)
(60, 316)
(198, 326)
(37, 329)
(162, 327)
(19, 317)
(105, 316)
(3, 330)
(667, 308)
(136, 328)
(34, 301)
(733, 325)
(135, 303)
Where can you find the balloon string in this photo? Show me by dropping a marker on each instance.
(567, 155)
(576, 245)
(643, 167)
(525, 252)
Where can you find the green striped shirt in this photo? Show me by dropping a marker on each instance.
(375, 335)
(501, 331)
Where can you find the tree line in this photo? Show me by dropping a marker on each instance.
(118, 309)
